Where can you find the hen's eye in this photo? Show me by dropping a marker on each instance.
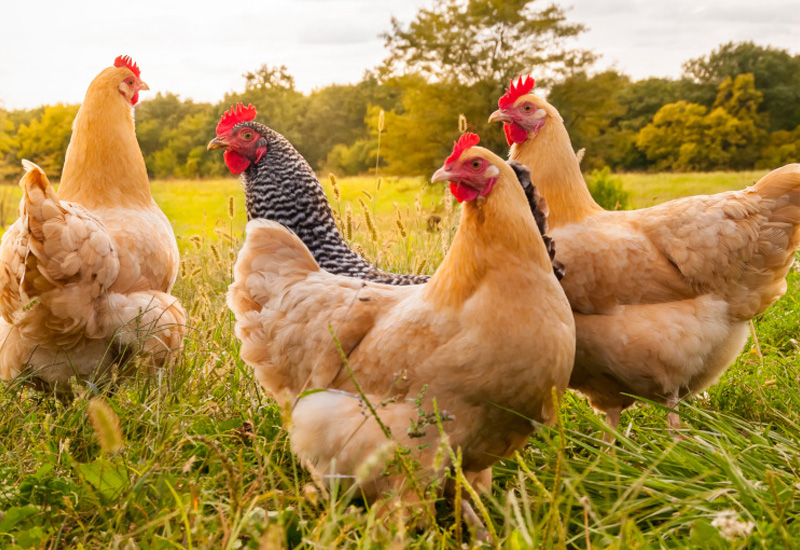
(476, 164)
(247, 135)
(130, 83)
(527, 108)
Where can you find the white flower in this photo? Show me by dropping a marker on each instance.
(729, 526)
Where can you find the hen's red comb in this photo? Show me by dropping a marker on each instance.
(464, 142)
(126, 61)
(514, 91)
(237, 113)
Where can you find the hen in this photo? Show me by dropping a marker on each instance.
(86, 275)
(662, 296)
(489, 337)
(280, 185)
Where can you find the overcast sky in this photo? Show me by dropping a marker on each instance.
(52, 49)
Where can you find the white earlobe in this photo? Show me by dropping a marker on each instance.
(540, 113)
(492, 171)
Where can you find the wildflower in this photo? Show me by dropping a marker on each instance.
(729, 526)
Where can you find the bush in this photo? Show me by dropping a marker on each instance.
(607, 190)
(352, 160)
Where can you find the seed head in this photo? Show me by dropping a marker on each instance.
(335, 185)
(105, 423)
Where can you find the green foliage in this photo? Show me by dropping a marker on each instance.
(352, 160)
(781, 148)
(607, 190)
(687, 136)
(473, 41)
(44, 140)
(592, 108)
(776, 74)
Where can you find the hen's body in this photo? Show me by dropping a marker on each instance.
(663, 295)
(104, 171)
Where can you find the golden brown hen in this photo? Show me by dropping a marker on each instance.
(488, 337)
(662, 296)
(86, 275)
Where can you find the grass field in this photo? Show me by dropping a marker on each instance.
(206, 463)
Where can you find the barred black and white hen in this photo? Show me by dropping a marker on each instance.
(281, 186)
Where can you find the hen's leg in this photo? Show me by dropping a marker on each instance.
(612, 419)
(474, 522)
(673, 419)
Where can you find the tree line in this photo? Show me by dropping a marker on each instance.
(736, 108)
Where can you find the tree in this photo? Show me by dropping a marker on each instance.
(280, 106)
(776, 74)
(334, 117)
(592, 110)
(472, 41)
(156, 122)
(455, 58)
(269, 78)
(782, 147)
(687, 136)
(739, 98)
(420, 135)
(7, 148)
(44, 140)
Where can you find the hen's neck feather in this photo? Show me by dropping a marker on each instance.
(556, 172)
(104, 165)
(497, 235)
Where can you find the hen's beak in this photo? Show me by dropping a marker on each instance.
(500, 116)
(143, 85)
(442, 175)
(217, 143)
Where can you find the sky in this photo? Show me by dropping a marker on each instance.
(199, 50)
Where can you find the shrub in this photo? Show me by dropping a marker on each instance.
(607, 190)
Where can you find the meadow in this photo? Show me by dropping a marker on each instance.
(205, 461)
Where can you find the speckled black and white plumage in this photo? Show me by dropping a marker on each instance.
(282, 187)
(540, 212)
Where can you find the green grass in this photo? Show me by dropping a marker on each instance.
(650, 189)
(206, 462)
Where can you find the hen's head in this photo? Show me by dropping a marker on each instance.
(240, 138)
(523, 115)
(125, 76)
(471, 171)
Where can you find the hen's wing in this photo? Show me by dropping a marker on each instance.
(286, 308)
(738, 245)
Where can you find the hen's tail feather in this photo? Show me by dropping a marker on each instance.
(778, 238)
(39, 204)
(66, 243)
(540, 211)
(270, 252)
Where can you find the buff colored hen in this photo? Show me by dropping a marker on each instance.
(86, 275)
(489, 337)
(662, 296)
